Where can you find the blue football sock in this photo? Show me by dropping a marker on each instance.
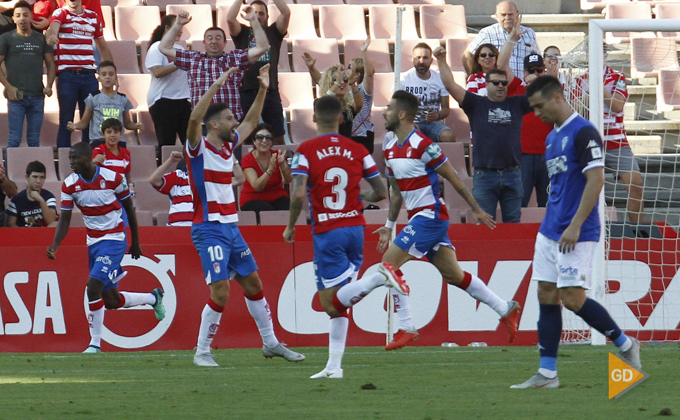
(549, 333)
(597, 317)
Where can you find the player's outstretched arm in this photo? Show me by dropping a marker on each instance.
(396, 200)
(135, 248)
(60, 233)
(377, 192)
(194, 131)
(297, 195)
(590, 197)
(447, 171)
(252, 118)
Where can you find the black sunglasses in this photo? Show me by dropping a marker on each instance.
(499, 82)
(484, 55)
(263, 137)
(536, 70)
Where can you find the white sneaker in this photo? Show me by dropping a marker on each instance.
(330, 374)
(392, 279)
(282, 351)
(204, 359)
(632, 355)
(538, 381)
(92, 349)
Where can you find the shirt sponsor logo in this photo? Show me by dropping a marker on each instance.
(434, 151)
(409, 230)
(104, 259)
(245, 253)
(557, 165)
(323, 217)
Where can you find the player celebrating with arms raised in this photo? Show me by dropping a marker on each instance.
(569, 233)
(223, 251)
(414, 163)
(330, 167)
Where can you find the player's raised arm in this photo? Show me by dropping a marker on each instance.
(60, 233)
(194, 131)
(252, 118)
(297, 195)
(396, 200)
(447, 171)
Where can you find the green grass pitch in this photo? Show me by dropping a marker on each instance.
(411, 383)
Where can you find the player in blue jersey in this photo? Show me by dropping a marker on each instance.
(567, 238)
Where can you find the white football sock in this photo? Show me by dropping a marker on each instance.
(210, 322)
(337, 337)
(478, 290)
(550, 374)
(96, 322)
(259, 310)
(352, 293)
(136, 299)
(401, 304)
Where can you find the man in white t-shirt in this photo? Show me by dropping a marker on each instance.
(433, 97)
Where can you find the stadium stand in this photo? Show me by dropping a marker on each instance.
(19, 157)
(443, 22)
(324, 50)
(201, 19)
(296, 90)
(109, 34)
(668, 11)
(454, 53)
(378, 50)
(668, 90)
(124, 54)
(455, 152)
(342, 22)
(382, 21)
(627, 11)
(280, 218)
(299, 25)
(136, 22)
(649, 55)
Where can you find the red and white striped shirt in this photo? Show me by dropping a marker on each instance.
(76, 32)
(614, 82)
(120, 163)
(476, 84)
(176, 185)
(97, 200)
(413, 164)
(210, 174)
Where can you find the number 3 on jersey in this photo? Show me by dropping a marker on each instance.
(339, 178)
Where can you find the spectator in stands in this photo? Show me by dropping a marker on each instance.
(79, 27)
(42, 12)
(204, 68)
(24, 51)
(551, 58)
(496, 123)
(244, 37)
(168, 96)
(361, 71)
(534, 131)
(175, 184)
(7, 189)
(266, 171)
(427, 85)
(618, 156)
(34, 206)
(336, 81)
(506, 15)
(484, 60)
(6, 10)
(104, 104)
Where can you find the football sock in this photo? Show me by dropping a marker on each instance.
(96, 322)
(401, 305)
(337, 337)
(476, 288)
(129, 299)
(352, 293)
(549, 333)
(597, 317)
(210, 322)
(259, 310)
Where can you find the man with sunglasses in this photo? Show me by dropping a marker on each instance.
(496, 123)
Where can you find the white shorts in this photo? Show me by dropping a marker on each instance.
(573, 269)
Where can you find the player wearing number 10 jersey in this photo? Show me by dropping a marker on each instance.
(329, 168)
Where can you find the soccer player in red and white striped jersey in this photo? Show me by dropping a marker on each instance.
(415, 164)
(97, 191)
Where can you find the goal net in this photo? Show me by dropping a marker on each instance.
(635, 274)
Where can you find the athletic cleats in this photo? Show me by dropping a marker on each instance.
(511, 319)
(632, 355)
(282, 351)
(158, 308)
(92, 349)
(330, 374)
(204, 359)
(538, 381)
(392, 279)
(402, 338)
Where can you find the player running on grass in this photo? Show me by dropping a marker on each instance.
(223, 251)
(566, 240)
(96, 192)
(414, 164)
(330, 167)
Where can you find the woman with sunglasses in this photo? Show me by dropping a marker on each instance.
(484, 60)
(265, 170)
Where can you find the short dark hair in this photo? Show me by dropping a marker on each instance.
(545, 50)
(23, 5)
(546, 86)
(494, 71)
(36, 166)
(406, 102)
(82, 148)
(261, 3)
(423, 46)
(106, 63)
(215, 28)
(112, 123)
(213, 111)
(327, 109)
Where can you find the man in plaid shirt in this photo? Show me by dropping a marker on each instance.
(204, 68)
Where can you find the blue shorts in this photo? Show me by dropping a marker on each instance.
(338, 254)
(223, 251)
(432, 129)
(105, 258)
(423, 237)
